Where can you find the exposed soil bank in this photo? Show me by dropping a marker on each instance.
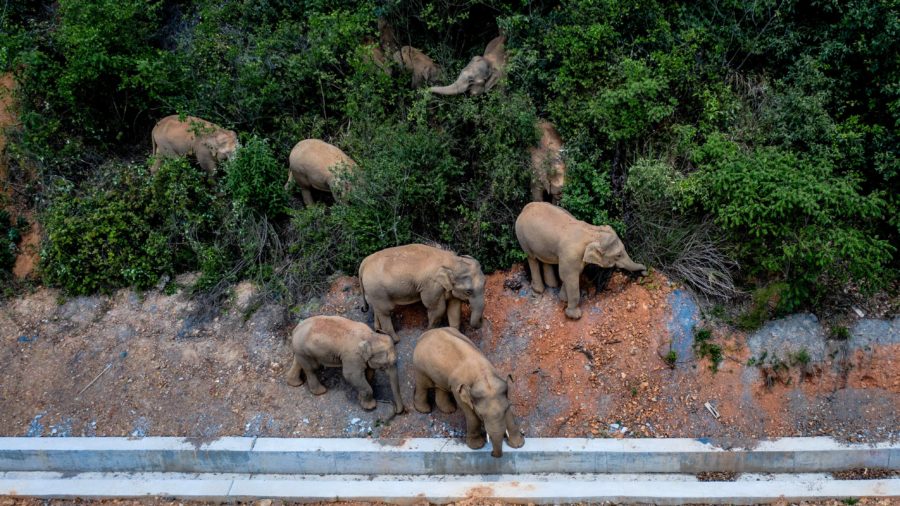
(147, 364)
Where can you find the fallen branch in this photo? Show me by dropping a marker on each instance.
(95, 378)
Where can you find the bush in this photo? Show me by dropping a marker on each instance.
(255, 179)
(10, 235)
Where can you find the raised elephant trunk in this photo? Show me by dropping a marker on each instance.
(476, 305)
(458, 87)
(395, 389)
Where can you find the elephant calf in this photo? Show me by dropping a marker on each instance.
(550, 235)
(312, 165)
(208, 142)
(422, 68)
(547, 166)
(332, 341)
(416, 272)
(461, 375)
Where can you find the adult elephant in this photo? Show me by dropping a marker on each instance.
(441, 279)
(313, 164)
(550, 235)
(209, 143)
(448, 362)
(482, 72)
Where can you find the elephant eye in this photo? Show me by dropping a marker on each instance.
(468, 292)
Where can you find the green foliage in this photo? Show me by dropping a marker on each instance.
(671, 358)
(10, 235)
(255, 179)
(840, 333)
(765, 303)
(705, 348)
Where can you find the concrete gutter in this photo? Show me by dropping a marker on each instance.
(328, 456)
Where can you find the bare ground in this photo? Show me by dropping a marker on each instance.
(147, 364)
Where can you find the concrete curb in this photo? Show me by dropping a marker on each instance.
(326, 456)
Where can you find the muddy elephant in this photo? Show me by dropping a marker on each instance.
(482, 72)
(313, 164)
(550, 235)
(447, 361)
(408, 274)
(333, 341)
(547, 165)
(422, 68)
(208, 142)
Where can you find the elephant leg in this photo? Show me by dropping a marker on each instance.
(537, 191)
(537, 285)
(513, 433)
(307, 196)
(157, 163)
(420, 396)
(383, 323)
(572, 291)
(294, 376)
(436, 313)
(454, 312)
(355, 374)
(205, 160)
(444, 401)
(309, 366)
(550, 276)
(474, 435)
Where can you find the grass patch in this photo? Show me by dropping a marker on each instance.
(704, 348)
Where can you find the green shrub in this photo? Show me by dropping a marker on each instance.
(10, 236)
(705, 348)
(255, 179)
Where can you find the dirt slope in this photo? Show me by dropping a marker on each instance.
(149, 364)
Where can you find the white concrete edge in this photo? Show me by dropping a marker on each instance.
(440, 492)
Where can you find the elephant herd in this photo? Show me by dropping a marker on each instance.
(444, 359)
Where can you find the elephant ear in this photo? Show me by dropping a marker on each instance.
(593, 254)
(444, 277)
(365, 350)
(465, 395)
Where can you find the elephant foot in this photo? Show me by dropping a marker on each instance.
(399, 409)
(476, 442)
(368, 404)
(422, 407)
(516, 440)
(537, 289)
(447, 407)
(295, 381)
(573, 313)
(317, 389)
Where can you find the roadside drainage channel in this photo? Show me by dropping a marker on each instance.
(439, 470)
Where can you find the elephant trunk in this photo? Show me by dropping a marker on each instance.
(630, 265)
(496, 435)
(395, 389)
(457, 88)
(476, 305)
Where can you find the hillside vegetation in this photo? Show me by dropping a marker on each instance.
(734, 145)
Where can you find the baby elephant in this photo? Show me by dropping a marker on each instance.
(332, 341)
(407, 274)
(461, 375)
(551, 235)
(210, 143)
(312, 165)
(547, 165)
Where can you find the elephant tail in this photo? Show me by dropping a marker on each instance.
(362, 290)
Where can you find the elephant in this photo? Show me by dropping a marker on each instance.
(550, 235)
(208, 142)
(312, 165)
(423, 68)
(333, 341)
(407, 274)
(482, 72)
(447, 361)
(547, 165)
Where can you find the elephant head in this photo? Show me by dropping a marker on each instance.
(607, 251)
(379, 353)
(464, 280)
(223, 144)
(488, 398)
(482, 72)
(547, 161)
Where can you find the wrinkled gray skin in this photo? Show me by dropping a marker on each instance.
(333, 341)
(208, 142)
(314, 164)
(547, 165)
(422, 68)
(408, 274)
(482, 72)
(447, 361)
(550, 235)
